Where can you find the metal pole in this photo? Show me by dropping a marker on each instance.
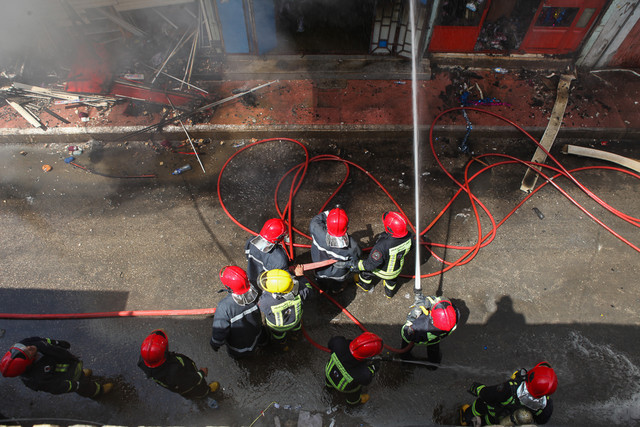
(191, 113)
(417, 289)
(175, 78)
(175, 49)
(188, 136)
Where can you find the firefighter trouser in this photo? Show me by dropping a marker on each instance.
(85, 386)
(351, 394)
(480, 409)
(434, 355)
(199, 391)
(367, 278)
(279, 336)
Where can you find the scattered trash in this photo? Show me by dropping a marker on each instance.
(135, 76)
(69, 159)
(75, 150)
(464, 146)
(212, 403)
(500, 70)
(23, 153)
(239, 144)
(305, 418)
(181, 170)
(604, 142)
(400, 82)
(537, 212)
(46, 168)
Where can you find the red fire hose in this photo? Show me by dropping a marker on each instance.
(469, 252)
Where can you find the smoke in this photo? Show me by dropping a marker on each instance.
(31, 39)
(25, 25)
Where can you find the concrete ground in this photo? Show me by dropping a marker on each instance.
(555, 287)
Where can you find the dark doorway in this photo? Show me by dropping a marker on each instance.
(323, 27)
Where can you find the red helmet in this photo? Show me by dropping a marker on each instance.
(154, 348)
(366, 345)
(395, 224)
(541, 380)
(15, 361)
(273, 230)
(444, 315)
(337, 222)
(235, 279)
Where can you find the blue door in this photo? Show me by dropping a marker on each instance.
(234, 28)
(265, 19)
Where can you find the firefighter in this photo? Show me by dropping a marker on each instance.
(281, 303)
(430, 320)
(330, 240)
(526, 392)
(44, 364)
(350, 367)
(237, 321)
(386, 259)
(173, 371)
(265, 251)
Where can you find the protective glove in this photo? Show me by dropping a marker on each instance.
(419, 300)
(353, 266)
(414, 314)
(475, 388)
(520, 373)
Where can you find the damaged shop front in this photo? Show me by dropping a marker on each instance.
(553, 27)
(334, 27)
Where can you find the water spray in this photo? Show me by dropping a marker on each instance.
(417, 289)
(475, 370)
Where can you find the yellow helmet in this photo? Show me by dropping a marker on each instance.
(276, 281)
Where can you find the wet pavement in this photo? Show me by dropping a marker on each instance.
(558, 287)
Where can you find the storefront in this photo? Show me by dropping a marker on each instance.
(359, 27)
(553, 27)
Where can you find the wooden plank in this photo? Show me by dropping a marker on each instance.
(28, 116)
(123, 5)
(123, 24)
(602, 155)
(550, 133)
